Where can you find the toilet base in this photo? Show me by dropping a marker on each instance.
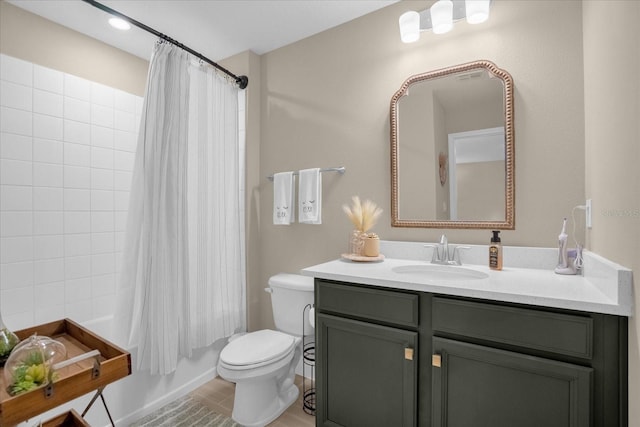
(257, 412)
(264, 393)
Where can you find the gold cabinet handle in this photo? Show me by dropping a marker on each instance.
(436, 360)
(408, 353)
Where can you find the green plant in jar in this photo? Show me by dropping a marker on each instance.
(30, 364)
(8, 340)
(29, 374)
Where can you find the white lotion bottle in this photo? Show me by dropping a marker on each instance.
(563, 264)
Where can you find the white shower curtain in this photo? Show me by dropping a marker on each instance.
(183, 274)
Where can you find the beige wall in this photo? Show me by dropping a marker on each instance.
(27, 36)
(612, 148)
(326, 101)
(477, 197)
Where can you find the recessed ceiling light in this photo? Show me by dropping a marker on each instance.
(119, 23)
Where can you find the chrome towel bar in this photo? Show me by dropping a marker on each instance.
(341, 170)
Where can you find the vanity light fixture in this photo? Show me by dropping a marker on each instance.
(119, 24)
(441, 16)
(477, 11)
(409, 26)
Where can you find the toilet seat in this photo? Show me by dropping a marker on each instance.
(257, 349)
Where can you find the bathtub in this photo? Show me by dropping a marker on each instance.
(140, 393)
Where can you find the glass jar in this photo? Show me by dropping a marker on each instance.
(8, 340)
(356, 242)
(30, 364)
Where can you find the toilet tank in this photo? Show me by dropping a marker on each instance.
(290, 293)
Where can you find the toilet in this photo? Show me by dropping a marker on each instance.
(262, 363)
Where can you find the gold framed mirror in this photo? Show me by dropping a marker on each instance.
(452, 149)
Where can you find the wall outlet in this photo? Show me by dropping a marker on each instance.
(587, 213)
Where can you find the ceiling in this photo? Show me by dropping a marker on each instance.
(217, 29)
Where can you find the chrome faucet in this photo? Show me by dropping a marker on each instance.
(442, 254)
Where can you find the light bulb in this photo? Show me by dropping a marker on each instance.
(477, 10)
(442, 16)
(409, 27)
(119, 23)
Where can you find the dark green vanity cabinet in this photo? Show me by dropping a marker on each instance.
(366, 352)
(505, 365)
(482, 386)
(399, 358)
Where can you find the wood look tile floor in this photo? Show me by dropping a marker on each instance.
(218, 395)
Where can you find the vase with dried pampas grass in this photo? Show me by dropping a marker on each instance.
(364, 216)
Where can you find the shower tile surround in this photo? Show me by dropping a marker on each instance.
(67, 147)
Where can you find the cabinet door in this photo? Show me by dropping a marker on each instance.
(366, 374)
(485, 387)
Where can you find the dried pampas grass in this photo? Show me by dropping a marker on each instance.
(363, 215)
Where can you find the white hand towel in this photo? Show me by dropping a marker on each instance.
(283, 198)
(310, 196)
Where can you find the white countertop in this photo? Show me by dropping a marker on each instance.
(605, 287)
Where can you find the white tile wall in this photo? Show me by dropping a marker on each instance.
(48, 79)
(14, 95)
(67, 147)
(77, 177)
(47, 103)
(48, 151)
(47, 127)
(17, 274)
(47, 199)
(78, 88)
(17, 147)
(47, 174)
(16, 121)
(77, 109)
(102, 179)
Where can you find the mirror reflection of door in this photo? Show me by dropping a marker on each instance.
(476, 174)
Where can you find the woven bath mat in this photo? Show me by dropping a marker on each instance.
(185, 412)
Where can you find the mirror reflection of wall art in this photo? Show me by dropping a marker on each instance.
(442, 168)
(452, 141)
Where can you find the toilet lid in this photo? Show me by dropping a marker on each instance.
(257, 347)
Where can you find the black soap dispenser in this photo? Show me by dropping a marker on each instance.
(495, 252)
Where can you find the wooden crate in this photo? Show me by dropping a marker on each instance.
(68, 419)
(74, 380)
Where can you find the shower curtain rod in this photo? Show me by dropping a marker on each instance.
(241, 81)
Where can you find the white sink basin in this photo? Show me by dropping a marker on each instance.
(439, 272)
